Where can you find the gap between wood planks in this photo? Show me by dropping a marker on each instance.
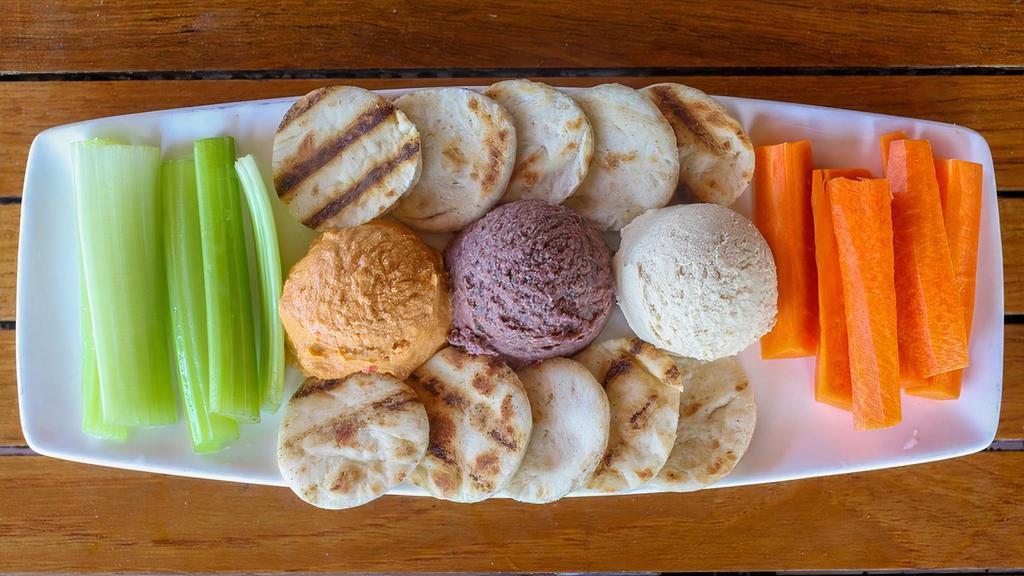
(300, 73)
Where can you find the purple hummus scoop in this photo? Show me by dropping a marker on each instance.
(529, 281)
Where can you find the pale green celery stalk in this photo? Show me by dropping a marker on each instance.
(234, 378)
(121, 242)
(271, 349)
(93, 423)
(184, 249)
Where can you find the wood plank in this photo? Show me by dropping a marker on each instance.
(1011, 226)
(10, 422)
(963, 513)
(10, 220)
(1011, 413)
(992, 105)
(352, 34)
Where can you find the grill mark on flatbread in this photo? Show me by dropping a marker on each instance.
(496, 150)
(503, 439)
(639, 419)
(372, 178)
(394, 402)
(442, 434)
(312, 386)
(304, 104)
(296, 173)
(669, 104)
(483, 385)
(617, 367)
(442, 454)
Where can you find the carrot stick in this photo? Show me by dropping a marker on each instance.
(932, 339)
(832, 368)
(960, 188)
(782, 188)
(885, 140)
(862, 221)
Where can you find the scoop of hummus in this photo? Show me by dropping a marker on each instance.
(530, 281)
(696, 280)
(373, 298)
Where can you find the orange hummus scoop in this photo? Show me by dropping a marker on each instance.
(373, 298)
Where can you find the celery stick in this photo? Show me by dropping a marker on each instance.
(93, 423)
(183, 244)
(271, 349)
(234, 384)
(121, 242)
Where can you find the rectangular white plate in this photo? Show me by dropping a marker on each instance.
(795, 437)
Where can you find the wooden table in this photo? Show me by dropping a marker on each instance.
(960, 62)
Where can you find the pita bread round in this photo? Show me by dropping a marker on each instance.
(345, 442)
(554, 141)
(343, 156)
(469, 150)
(717, 415)
(570, 431)
(480, 424)
(599, 357)
(644, 415)
(716, 159)
(636, 163)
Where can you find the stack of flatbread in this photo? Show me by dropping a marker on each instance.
(465, 428)
(440, 158)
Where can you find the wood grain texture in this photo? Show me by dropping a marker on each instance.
(1011, 414)
(992, 105)
(353, 34)
(69, 517)
(1011, 226)
(10, 219)
(10, 422)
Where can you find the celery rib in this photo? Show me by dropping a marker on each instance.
(234, 385)
(93, 422)
(271, 349)
(121, 246)
(184, 251)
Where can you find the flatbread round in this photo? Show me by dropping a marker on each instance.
(343, 156)
(644, 416)
(716, 159)
(717, 415)
(554, 141)
(600, 356)
(469, 148)
(636, 164)
(345, 442)
(480, 424)
(570, 431)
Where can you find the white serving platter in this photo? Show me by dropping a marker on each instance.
(795, 436)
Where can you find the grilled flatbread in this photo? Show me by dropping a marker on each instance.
(480, 424)
(716, 159)
(554, 142)
(343, 156)
(717, 415)
(570, 430)
(469, 147)
(644, 416)
(599, 357)
(635, 166)
(345, 442)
